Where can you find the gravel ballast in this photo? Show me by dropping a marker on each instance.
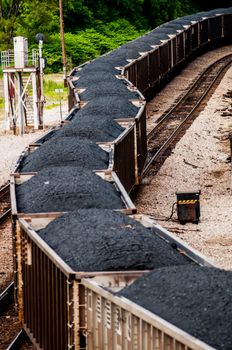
(64, 151)
(105, 240)
(195, 299)
(200, 161)
(66, 189)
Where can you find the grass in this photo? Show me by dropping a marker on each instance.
(51, 83)
(1, 108)
(53, 105)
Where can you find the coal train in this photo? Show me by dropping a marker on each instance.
(82, 255)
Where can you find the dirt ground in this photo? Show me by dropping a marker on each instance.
(200, 161)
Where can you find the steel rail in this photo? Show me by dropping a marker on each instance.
(4, 190)
(189, 91)
(179, 128)
(5, 215)
(6, 299)
(7, 293)
(14, 345)
(5, 193)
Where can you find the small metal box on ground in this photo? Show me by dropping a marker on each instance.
(188, 206)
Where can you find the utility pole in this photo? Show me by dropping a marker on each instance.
(62, 42)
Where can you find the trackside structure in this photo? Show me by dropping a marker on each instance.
(23, 86)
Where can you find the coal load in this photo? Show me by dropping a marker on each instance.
(100, 64)
(46, 137)
(157, 35)
(119, 60)
(111, 107)
(98, 128)
(123, 55)
(105, 240)
(98, 76)
(197, 16)
(65, 151)
(148, 39)
(134, 45)
(117, 88)
(193, 298)
(66, 189)
(168, 30)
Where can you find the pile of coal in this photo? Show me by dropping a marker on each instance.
(95, 127)
(66, 189)
(106, 240)
(99, 64)
(66, 151)
(194, 298)
(117, 88)
(97, 76)
(111, 107)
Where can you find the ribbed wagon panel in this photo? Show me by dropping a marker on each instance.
(45, 299)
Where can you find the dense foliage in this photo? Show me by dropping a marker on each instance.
(92, 27)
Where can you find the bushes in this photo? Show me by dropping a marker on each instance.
(88, 44)
(92, 27)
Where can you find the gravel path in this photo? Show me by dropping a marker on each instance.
(12, 146)
(200, 161)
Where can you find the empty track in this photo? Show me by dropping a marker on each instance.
(172, 125)
(4, 203)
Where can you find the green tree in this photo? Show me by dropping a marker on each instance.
(9, 12)
(92, 27)
(38, 16)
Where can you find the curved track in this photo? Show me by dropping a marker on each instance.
(7, 294)
(60, 308)
(172, 125)
(4, 203)
(14, 345)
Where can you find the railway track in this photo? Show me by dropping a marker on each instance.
(6, 295)
(172, 125)
(7, 311)
(17, 341)
(5, 208)
(12, 337)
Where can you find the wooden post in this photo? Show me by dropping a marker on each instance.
(35, 101)
(62, 42)
(7, 104)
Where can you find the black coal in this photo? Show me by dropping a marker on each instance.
(105, 240)
(66, 189)
(64, 151)
(98, 128)
(195, 299)
(112, 107)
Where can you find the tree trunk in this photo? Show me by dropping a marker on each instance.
(1, 11)
(62, 42)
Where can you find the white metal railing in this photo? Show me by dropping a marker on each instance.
(8, 58)
(35, 57)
